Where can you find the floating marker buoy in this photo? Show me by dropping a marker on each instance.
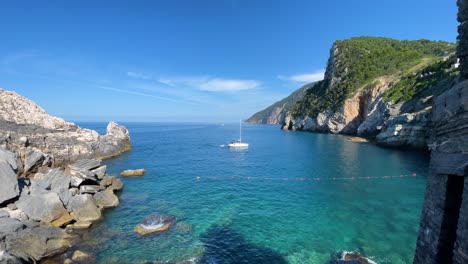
(414, 174)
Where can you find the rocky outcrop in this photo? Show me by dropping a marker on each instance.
(155, 223)
(40, 139)
(37, 217)
(276, 113)
(130, 173)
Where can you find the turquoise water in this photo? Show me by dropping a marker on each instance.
(261, 205)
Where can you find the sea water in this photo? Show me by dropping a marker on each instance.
(291, 197)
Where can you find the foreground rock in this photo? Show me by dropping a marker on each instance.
(34, 225)
(155, 223)
(44, 140)
(128, 173)
(8, 182)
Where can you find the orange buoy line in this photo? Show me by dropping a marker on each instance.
(412, 175)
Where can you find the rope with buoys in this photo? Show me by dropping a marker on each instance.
(412, 175)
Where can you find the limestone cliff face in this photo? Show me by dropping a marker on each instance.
(276, 113)
(39, 139)
(367, 112)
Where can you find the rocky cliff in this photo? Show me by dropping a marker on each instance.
(276, 113)
(39, 139)
(378, 88)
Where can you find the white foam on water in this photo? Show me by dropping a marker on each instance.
(222, 146)
(154, 226)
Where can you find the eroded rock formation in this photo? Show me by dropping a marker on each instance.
(39, 139)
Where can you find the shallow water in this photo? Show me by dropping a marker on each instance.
(276, 202)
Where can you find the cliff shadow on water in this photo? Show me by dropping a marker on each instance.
(225, 245)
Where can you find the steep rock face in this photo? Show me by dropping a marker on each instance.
(393, 107)
(348, 117)
(462, 48)
(39, 138)
(276, 113)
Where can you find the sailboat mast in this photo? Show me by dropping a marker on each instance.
(240, 130)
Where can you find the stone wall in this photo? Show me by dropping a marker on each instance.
(443, 233)
(462, 50)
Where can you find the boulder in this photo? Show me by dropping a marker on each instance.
(92, 189)
(78, 177)
(37, 243)
(112, 183)
(34, 158)
(38, 187)
(58, 180)
(45, 207)
(85, 165)
(9, 157)
(83, 208)
(8, 226)
(79, 225)
(63, 220)
(9, 184)
(100, 172)
(138, 172)
(4, 213)
(106, 199)
(155, 223)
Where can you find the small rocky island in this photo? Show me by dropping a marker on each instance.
(52, 179)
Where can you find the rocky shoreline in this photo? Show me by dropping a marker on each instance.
(53, 180)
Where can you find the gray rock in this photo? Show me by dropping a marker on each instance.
(64, 194)
(9, 157)
(78, 177)
(9, 184)
(45, 207)
(4, 213)
(34, 159)
(92, 189)
(39, 187)
(112, 183)
(100, 172)
(83, 208)
(58, 179)
(8, 226)
(37, 243)
(12, 206)
(85, 165)
(6, 258)
(106, 199)
(25, 124)
(18, 214)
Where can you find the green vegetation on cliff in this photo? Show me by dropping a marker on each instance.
(431, 80)
(357, 61)
(285, 105)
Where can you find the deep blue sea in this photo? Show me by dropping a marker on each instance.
(277, 202)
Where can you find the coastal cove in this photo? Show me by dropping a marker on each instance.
(276, 202)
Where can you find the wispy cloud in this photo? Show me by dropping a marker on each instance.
(138, 93)
(223, 85)
(138, 75)
(206, 83)
(305, 77)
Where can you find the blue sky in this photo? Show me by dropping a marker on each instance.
(176, 60)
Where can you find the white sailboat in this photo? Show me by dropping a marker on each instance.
(237, 144)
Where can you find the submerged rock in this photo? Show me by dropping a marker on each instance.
(82, 257)
(155, 223)
(138, 172)
(351, 258)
